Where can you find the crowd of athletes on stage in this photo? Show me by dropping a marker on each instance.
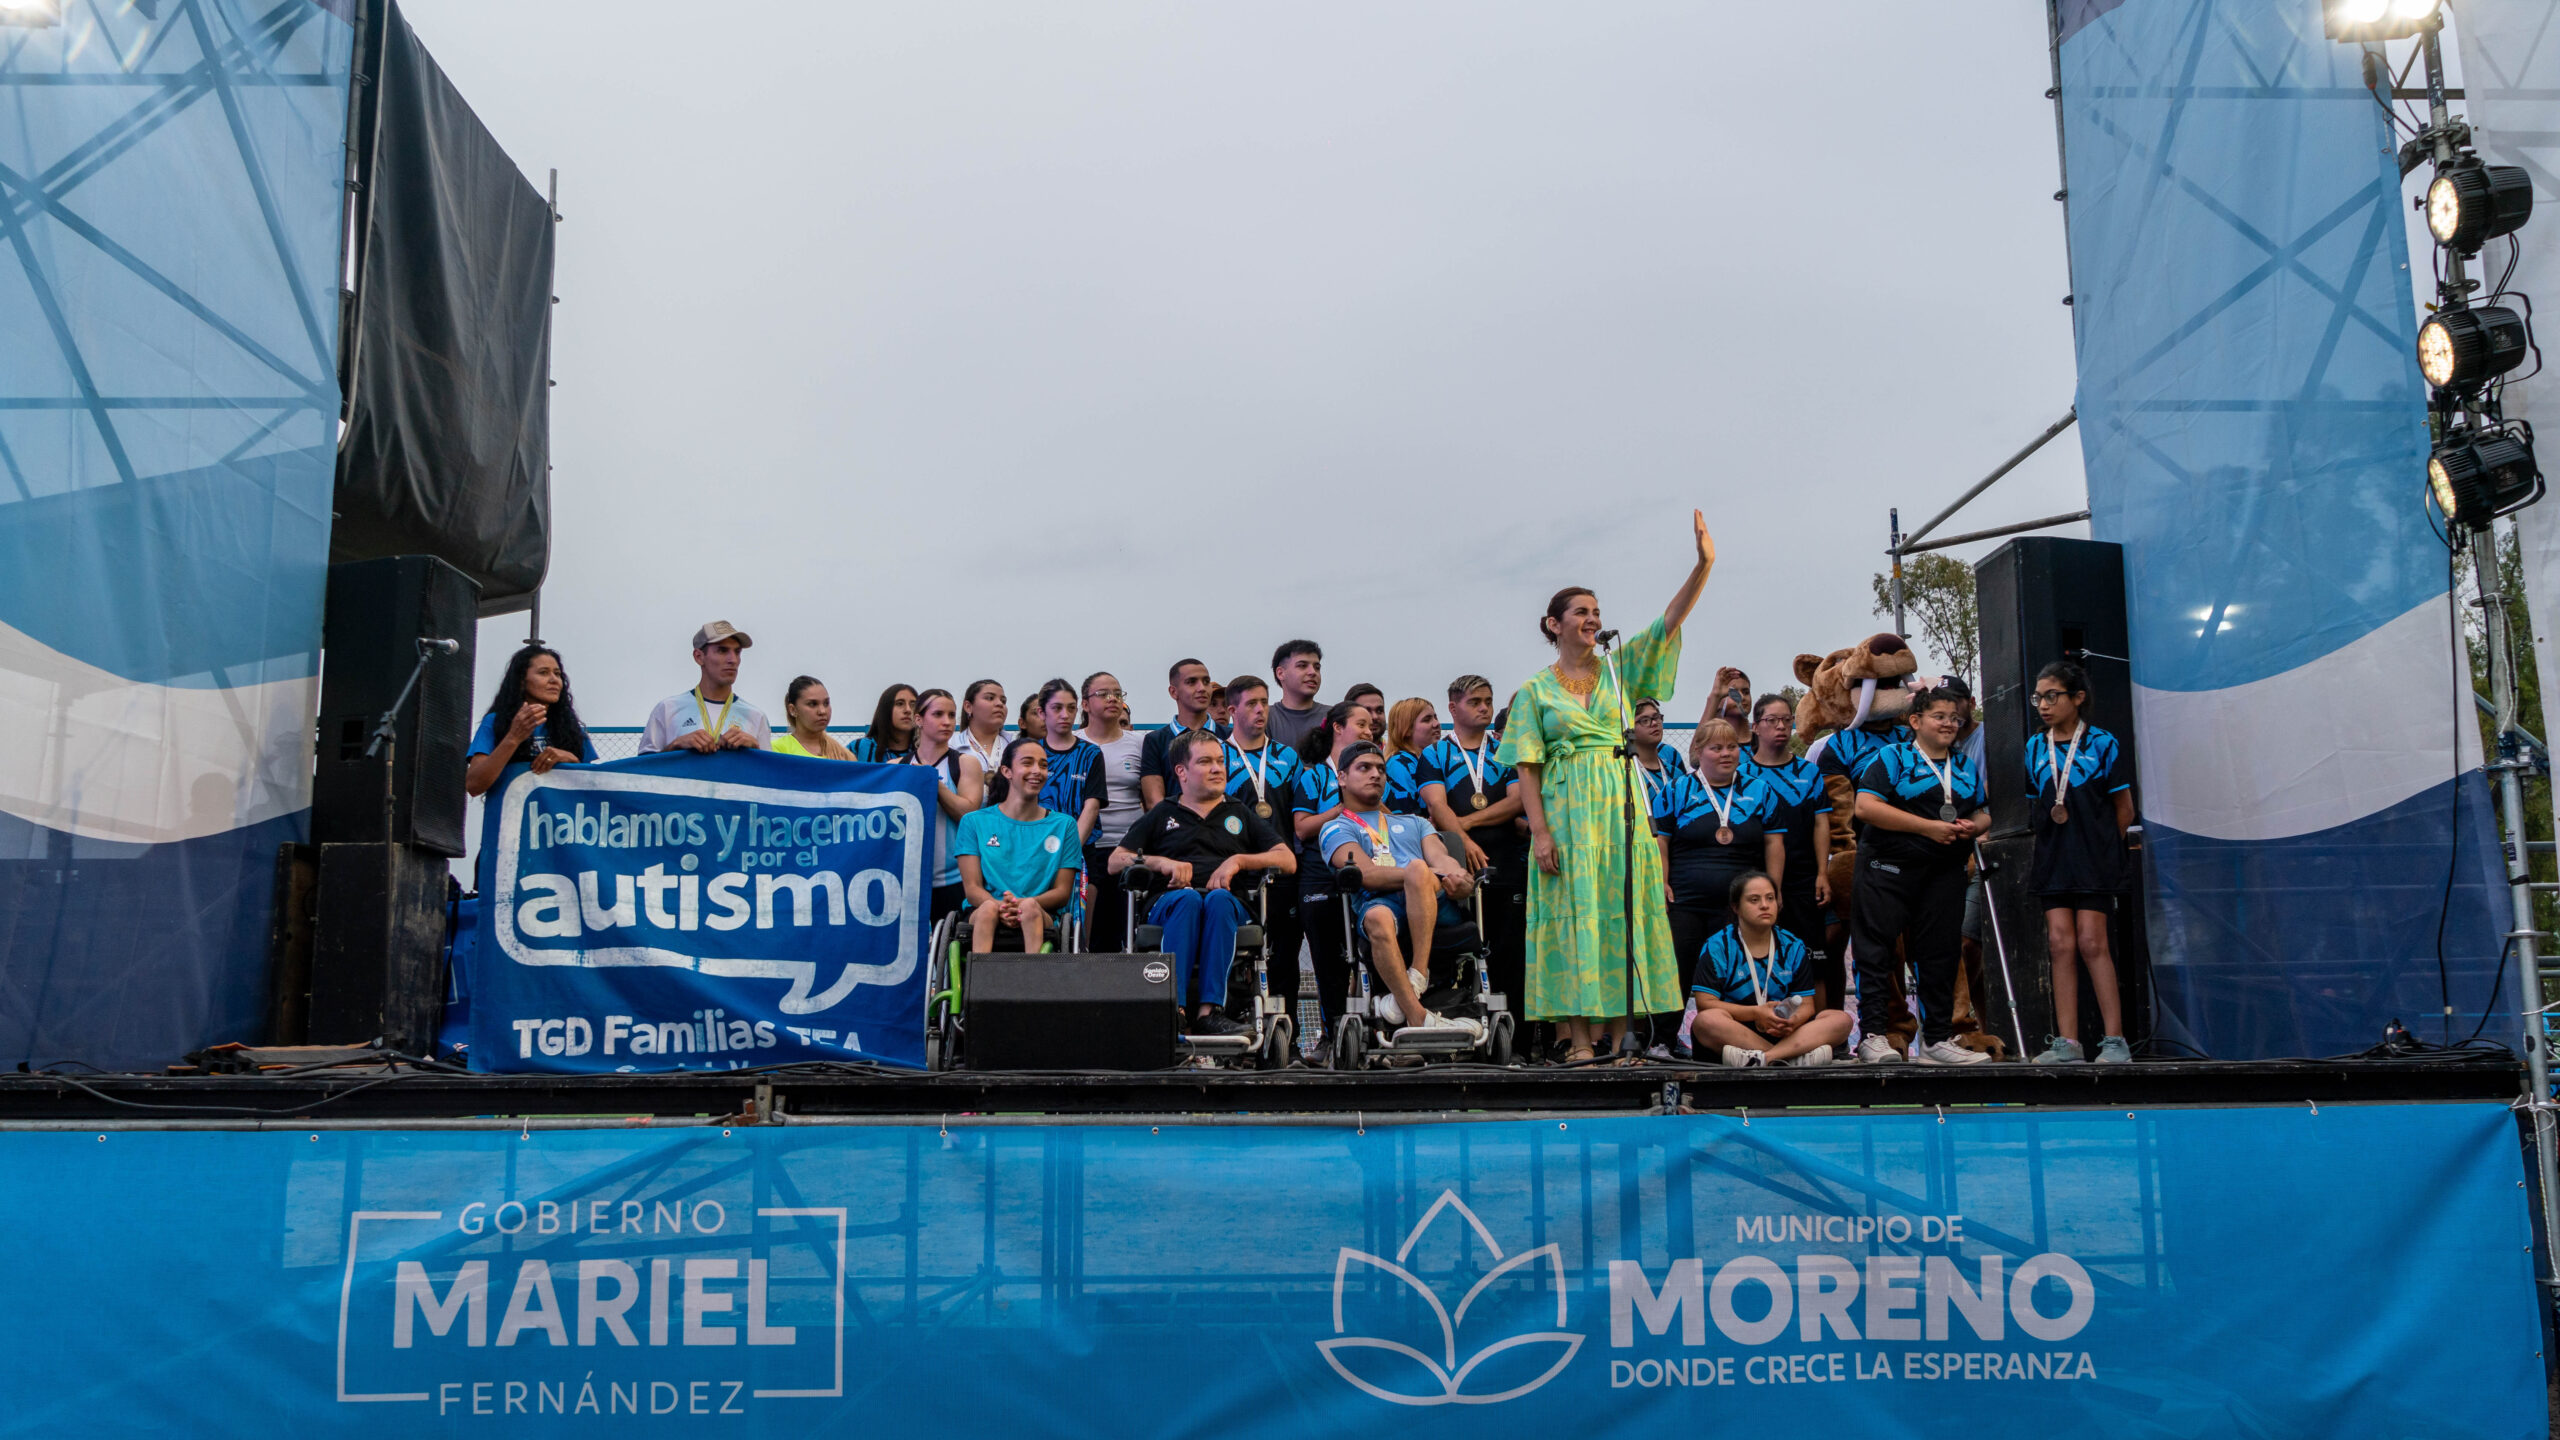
(1053, 813)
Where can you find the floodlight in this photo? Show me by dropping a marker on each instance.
(2476, 476)
(2470, 203)
(2460, 349)
(32, 14)
(2356, 20)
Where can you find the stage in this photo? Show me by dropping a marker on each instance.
(823, 1094)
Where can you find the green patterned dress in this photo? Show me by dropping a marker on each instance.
(1577, 919)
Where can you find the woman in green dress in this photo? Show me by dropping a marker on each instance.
(1563, 737)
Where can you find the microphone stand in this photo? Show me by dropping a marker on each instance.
(427, 650)
(1626, 753)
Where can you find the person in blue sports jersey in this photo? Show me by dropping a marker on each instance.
(1921, 805)
(1713, 827)
(1222, 713)
(1756, 1005)
(1313, 803)
(1019, 861)
(1262, 773)
(891, 739)
(2083, 806)
(1187, 682)
(1409, 886)
(1656, 762)
(542, 728)
(1804, 808)
(1074, 788)
(1412, 727)
(1465, 788)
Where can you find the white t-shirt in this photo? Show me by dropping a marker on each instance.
(1121, 803)
(682, 715)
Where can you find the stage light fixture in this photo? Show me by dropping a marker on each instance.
(2471, 203)
(2358, 20)
(2459, 349)
(2476, 476)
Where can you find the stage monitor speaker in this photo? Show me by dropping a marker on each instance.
(411, 793)
(2044, 598)
(377, 949)
(1070, 1012)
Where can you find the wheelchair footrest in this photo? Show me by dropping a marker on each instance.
(1414, 1037)
(1248, 937)
(1216, 1044)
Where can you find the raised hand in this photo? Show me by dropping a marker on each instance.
(1706, 542)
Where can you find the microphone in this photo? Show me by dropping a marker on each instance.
(1608, 638)
(448, 647)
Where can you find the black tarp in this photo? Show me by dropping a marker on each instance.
(448, 348)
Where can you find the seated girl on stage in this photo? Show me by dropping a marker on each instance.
(1018, 859)
(1753, 995)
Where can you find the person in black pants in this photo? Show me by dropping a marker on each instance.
(2083, 805)
(1466, 789)
(1315, 799)
(1921, 806)
(1263, 773)
(1804, 808)
(1714, 828)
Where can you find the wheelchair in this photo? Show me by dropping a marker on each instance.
(1362, 1038)
(946, 976)
(1270, 1041)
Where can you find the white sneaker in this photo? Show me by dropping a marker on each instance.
(1818, 1055)
(1879, 1050)
(1474, 1029)
(1741, 1059)
(1948, 1052)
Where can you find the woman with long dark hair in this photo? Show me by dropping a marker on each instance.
(807, 710)
(981, 731)
(958, 784)
(891, 740)
(542, 728)
(2083, 805)
(1595, 891)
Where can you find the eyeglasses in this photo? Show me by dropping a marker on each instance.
(2044, 695)
(1110, 695)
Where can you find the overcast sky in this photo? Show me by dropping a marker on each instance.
(939, 340)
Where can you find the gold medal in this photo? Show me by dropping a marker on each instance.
(1477, 800)
(1262, 808)
(2061, 814)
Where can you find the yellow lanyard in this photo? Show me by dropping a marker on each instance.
(705, 716)
(1379, 850)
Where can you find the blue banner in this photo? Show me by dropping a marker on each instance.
(683, 911)
(2154, 1273)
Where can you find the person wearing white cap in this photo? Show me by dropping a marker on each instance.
(710, 716)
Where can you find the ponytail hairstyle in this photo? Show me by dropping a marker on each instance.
(2073, 679)
(1084, 699)
(560, 723)
(1320, 739)
(1553, 624)
(1027, 720)
(998, 786)
(1742, 882)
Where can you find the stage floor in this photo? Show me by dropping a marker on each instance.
(820, 1094)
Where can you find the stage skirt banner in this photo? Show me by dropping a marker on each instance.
(2283, 1271)
(682, 911)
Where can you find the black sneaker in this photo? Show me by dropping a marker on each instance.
(1213, 1023)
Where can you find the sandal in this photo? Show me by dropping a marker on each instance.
(1578, 1055)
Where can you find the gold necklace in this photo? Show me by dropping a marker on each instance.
(1578, 689)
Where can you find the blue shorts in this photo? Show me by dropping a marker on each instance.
(1450, 914)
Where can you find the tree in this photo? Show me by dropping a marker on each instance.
(1937, 595)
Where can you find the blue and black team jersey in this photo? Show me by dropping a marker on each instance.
(1798, 789)
(1904, 778)
(1075, 776)
(1313, 790)
(1276, 785)
(1684, 812)
(1444, 764)
(866, 748)
(2086, 853)
(1404, 784)
(1847, 753)
(1725, 969)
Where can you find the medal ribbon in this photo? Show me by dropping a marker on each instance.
(1759, 993)
(2062, 776)
(1260, 773)
(1379, 850)
(1724, 806)
(1945, 773)
(1475, 767)
(705, 716)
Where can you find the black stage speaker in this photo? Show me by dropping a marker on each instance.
(411, 793)
(377, 947)
(2040, 599)
(1070, 1012)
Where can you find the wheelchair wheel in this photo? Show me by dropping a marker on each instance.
(1279, 1045)
(1498, 1045)
(1350, 1043)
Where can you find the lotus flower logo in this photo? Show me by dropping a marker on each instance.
(1520, 1360)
